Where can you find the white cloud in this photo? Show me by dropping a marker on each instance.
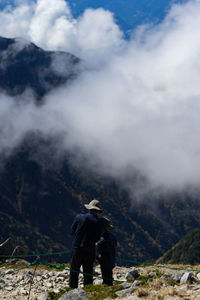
(14, 22)
(140, 109)
(50, 25)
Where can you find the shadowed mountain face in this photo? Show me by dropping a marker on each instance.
(24, 65)
(39, 197)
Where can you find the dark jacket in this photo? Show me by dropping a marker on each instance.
(86, 230)
(106, 248)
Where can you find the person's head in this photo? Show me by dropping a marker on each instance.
(94, 206)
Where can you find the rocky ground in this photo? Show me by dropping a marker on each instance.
(130, 284)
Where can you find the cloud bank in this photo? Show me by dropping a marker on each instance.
(135, 108)
(50, 25)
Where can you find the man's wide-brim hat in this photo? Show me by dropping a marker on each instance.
(94, 204)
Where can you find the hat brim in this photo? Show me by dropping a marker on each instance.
(89, 207)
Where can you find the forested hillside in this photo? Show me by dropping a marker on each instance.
(186, 251)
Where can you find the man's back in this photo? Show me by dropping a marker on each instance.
(86, 229)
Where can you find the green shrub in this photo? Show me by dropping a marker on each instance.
(173, 283)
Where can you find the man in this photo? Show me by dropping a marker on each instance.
(86, 230)
(106, 249)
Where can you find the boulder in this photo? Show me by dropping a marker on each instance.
(198, 276)
(132, 274)
(177, 277)
(126, 292)
(126, 285)
(187, 277)
(76, 294)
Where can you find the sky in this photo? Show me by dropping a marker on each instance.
(135, 106)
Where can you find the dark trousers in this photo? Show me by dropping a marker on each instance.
(81, 257)
(107, 274)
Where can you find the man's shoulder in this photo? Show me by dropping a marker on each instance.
(89, 215)
(92, 217)
(80, 216)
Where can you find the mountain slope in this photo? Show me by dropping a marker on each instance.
(24, 65)
(38, 204)
(186, 251)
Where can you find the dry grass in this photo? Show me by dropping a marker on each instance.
(173, 267)
(157, 284)
(167, 293)
(142, 292)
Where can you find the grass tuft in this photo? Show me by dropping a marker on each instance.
(173, 283)
(99, 292)
(142, 292)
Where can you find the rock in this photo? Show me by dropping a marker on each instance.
(152, 274)
(136, 283)
(49, 284)
(132, 274)
(2, 281)
(76, 294)
(187, 277)
(29, 280)
(198, 276)
(38, 278)
(63, 274)
(29, 273)
(2, 285)
(61, 278)
(126, 285)
(141, 270)
(194, 279)
(15, 293)
(125, 292)
(196, 288)
(97, 281)
(44, 296)
(39, 273)
(41, 285)
(23, 291)
(9, 288)
(177, 277)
